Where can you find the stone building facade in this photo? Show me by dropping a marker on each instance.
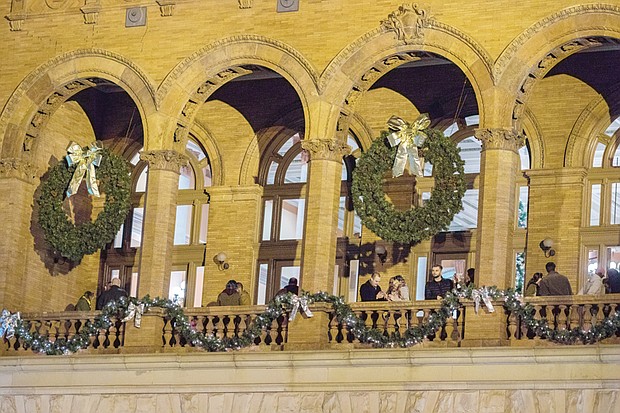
(242, 120)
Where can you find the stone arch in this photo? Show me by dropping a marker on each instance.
(589, 125)
(194, 79)
(562, 34)
(204, 137)
(51, 84)
(407, 35)
(534, 136)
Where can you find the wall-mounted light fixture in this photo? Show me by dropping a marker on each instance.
(546, 245)
(220, 260)
(381, 253)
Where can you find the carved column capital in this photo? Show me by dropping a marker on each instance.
(327, 149)
(17, 168)
(507, 139)
(164, 160)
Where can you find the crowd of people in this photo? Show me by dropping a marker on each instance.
(553, 283)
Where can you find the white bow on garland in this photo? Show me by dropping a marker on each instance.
(299, 303)
(134, 311)
(8, 322)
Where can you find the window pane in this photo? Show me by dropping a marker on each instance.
(186, 178)
(118, 239)
(341, 216)
(613, 255)
(613, 127)
(470, 154)
(523, 203)
(206, 176)
(297, 170)
(136, 227)
(183, 225)
(616, 159)
(176, 292)
(136, 158)
(267, 219)
(204, 224)
(271, 175)
(292, 219)
(524, 154)
(263, 270)
(421, 281)
(592, 261)
(615, 203)
(286, 273)
(595, 205)
(357, 225)
(141, 184)
(597, 162)
(468, 217)
(133, 290)
(344, 174)
(200, 277)
(288, 144)
(428, 169)
(519, 271)
(449, 131)
(195, 149)
(472, 120)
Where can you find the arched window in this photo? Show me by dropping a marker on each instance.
(192, 213)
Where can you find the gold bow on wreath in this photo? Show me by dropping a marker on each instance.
(85, 162)
(409, 137)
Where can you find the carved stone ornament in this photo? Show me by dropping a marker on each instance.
(17, 16)
(407, 22)
(507, 139)
(164, 160)
(91, 11)
(166, 7)
(245, 4)
(327, 149)
(17, 168)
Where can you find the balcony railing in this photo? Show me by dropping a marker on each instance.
(323, 331)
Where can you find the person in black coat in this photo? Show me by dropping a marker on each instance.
(114, 293)
(371, 290)
(437, 288)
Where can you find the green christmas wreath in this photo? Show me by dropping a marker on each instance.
(74, 241)
(417, 223)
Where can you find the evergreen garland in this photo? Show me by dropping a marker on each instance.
(280, 305)
(418, 223)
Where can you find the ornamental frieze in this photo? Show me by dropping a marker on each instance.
(17, 168)
(507, 139)
(164, 160)
(326, 149)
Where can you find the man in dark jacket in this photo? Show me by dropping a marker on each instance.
(554, 283)
(437, 288)
(114, 293)
(613, 281)
(371, 290)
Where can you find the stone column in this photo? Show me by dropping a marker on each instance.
(497, 205)
(556, 207)
(18, 182)
(159, 218)
(234, 229)
(323, 201)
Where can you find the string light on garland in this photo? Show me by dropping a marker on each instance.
(74, 241)
(126, 310)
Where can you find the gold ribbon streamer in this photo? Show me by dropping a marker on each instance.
(299, 303)
(85, 162)
(134, 311)
(409, 137)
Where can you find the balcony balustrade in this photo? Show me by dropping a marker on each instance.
(323, 331)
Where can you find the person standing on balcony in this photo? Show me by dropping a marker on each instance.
(84, 303)
(613, 281)
(244, 296)
(371, 290)
(229, 296)
(114, 293)
(594, 285)
(554, 283)
(437, 288)
(531, 290)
